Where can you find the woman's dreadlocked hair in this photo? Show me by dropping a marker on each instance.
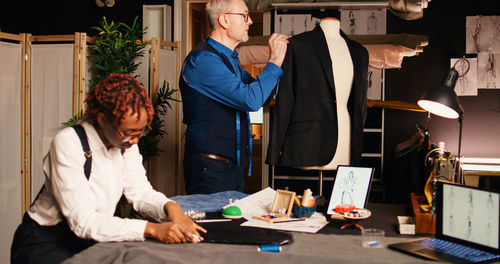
(114, 95)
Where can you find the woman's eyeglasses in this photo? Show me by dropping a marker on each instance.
(126, 137)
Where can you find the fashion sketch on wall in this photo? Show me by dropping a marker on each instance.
(363, 22)
(483, 39)
(488, 72)
(482, 34)
(374, 84)
(294, 24)
(467, 76)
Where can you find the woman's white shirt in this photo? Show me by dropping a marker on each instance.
(89, 205)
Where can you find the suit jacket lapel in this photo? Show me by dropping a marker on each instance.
(321, 47)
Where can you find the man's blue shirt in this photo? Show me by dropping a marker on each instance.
(205, 72)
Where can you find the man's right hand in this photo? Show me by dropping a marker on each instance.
(277, 48)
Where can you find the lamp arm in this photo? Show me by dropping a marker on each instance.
(460, 178)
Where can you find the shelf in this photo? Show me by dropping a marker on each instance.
(398, 105)
(385, 51)
(371, 155)
(411, 41)
(339, 4)
(372, 130)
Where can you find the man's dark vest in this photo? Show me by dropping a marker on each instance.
(211, 126)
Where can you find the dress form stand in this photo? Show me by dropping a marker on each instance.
(343, 74)
(351, 222)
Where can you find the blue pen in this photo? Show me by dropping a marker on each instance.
(275, 248)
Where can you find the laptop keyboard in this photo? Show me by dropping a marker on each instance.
(457, 250)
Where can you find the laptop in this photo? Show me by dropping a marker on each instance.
(467, 226)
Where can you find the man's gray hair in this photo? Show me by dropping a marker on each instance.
(215, 8)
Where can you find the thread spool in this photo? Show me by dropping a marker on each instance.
(275, 248)
(306, 198)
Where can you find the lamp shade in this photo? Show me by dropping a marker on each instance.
(442, 100)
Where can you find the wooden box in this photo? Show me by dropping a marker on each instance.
(425, 222)
(282, 208)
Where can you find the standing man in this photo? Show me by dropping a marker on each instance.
(217, 95)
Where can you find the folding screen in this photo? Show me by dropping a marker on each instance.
(166, 167)
(43, 85)
(11, 150)
(51, 101)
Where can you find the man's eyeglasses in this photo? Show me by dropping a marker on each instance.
(245, 16)
(127, 137)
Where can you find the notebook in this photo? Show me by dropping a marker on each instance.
(467, 227)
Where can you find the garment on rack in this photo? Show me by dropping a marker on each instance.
(408, 170)
(304, 127)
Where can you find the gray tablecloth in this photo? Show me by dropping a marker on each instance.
(307, 248)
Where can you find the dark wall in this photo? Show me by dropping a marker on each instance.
(50, 17)
(444, 23)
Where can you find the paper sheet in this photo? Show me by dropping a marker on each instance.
(311, 225)
(261, 202)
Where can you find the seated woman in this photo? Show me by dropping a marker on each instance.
(73, 212)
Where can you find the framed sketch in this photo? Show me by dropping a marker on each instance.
(351, 186)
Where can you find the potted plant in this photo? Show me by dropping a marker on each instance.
(115, 50)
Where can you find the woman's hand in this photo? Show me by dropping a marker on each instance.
(179, 229)
(176, 215)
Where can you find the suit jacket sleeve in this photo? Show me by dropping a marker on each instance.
(282, 109)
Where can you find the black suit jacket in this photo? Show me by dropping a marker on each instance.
(304, 124)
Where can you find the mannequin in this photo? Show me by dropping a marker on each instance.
(343, 73)
(318, 119)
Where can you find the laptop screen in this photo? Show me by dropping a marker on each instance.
(469, 215)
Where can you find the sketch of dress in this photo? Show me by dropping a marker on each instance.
(371, 24)
(281, 22)
(489, 207)
(348, 189)
(462, 68)
(476, 34)
(451, 220)
(496, 46)
(491, 75)
(352, 23)
(370, 82)
(470, 207)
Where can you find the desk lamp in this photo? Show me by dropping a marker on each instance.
(442, 100)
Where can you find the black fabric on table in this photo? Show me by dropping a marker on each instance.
(232, 233)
